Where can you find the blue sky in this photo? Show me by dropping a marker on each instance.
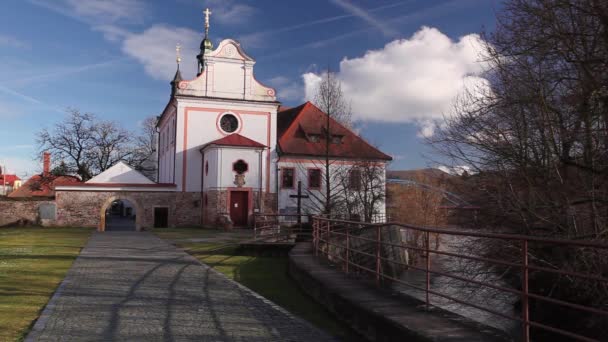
(114, 57)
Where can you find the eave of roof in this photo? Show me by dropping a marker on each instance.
(235, 140)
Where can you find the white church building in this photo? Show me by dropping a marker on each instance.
(225, 135)
(227, 149)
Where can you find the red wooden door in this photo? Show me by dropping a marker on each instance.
(238, 207)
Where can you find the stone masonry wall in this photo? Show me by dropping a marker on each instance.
(15, 211)
(83, 208)
(216, 203)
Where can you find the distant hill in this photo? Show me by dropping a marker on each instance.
(417, 174)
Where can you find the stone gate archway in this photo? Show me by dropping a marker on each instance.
(139, 212)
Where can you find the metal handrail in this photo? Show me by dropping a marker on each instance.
(340, 233)
(269, 229)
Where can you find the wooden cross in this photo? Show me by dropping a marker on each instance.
(299, 196)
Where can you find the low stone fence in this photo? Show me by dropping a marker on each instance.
(27, 211)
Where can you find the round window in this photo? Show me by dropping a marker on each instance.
(229, 123)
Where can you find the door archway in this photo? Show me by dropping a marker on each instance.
(138, 212)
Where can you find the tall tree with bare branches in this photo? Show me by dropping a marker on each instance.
(537, 141)
(330, 98)
(86, 146)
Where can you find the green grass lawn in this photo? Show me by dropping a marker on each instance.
(264, 275)
(33, 261)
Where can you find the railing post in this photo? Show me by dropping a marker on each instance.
(327, 239)
(378, 255)
(347, 248)
(428, 268)
(255, 228)
(525, 307)
(315, 231)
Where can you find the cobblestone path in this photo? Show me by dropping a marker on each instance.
(130, 286)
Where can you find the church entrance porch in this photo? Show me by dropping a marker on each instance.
(239, 208)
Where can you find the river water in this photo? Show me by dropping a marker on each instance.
(479, 295)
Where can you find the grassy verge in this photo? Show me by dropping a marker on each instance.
(264, 275)
(33, 261)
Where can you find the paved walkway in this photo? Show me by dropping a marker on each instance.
(130, 286)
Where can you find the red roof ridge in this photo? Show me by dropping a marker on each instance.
(235, 140)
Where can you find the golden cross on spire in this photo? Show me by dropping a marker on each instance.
(207, 13)
(178, 56)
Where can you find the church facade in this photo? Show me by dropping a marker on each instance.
(225, 136)
(227, 150)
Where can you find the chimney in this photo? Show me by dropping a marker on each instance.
(46, 164)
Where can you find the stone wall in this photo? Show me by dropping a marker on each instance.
(215, 204)
(22, 211)
(83, 208)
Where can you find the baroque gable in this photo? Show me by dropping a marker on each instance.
(228, 73)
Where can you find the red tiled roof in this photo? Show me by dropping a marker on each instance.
(113, 185)
(43, 186)
(236, 140)
(8, 179)
(295, 124)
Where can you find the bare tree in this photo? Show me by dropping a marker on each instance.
(70, 141)
(86, 146)
(331, 100)
(110, 144)
(537, 140)
(144, 158)
(362, 189)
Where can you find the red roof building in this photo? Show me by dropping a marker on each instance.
(9, 180)
(302, 132)
(43, 185)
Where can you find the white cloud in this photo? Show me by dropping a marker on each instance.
(108, 10)
(112, 33)
(155, 50)
(311, 84)
(366, 16)
(427, 129)
(411, 80)
(97, 11)
(11, 41)
(287, 90)
(229, 12)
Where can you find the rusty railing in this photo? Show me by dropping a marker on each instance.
(269, 226)
(341, 242)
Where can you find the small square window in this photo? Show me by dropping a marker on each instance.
(355, 180)
(287, 178)
(314, 178)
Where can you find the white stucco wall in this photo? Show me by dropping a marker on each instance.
(301, 167)
(166, 145)
(197, 122)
